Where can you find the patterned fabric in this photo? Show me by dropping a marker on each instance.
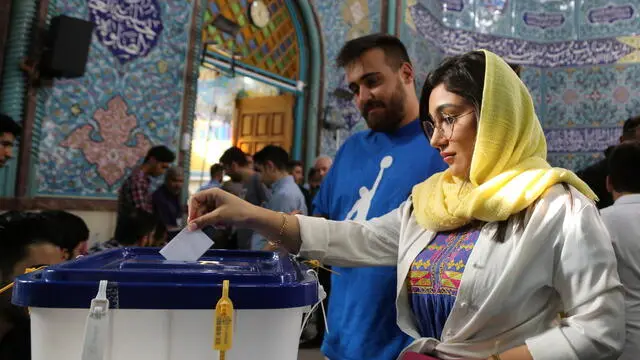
(434, 278)
(135, 194)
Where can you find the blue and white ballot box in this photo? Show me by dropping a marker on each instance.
(132, 304)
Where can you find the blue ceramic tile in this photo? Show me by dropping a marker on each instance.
(82, 152)
(459, 14)
(494, 17)
(574, 161)
(548, 22)
(608, 18)
(214, 8)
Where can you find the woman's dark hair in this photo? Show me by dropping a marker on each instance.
(462, 75)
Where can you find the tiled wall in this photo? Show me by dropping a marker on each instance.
(581, 61)
(98, 127)
(342, 20)
(424, 54)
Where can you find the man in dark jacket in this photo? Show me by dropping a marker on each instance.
(596, 175)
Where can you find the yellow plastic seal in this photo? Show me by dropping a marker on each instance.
(223, 322)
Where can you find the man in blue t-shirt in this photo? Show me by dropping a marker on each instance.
(373, 173)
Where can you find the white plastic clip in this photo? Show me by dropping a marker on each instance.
(96, 330)
(322, 294)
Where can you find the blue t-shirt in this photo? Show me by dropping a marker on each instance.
(373, 173)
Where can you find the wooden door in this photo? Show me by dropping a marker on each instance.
(263, 121)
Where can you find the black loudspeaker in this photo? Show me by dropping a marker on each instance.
(67, 47)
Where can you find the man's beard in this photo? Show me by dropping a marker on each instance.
(390, 118)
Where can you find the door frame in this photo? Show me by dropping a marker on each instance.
(306, 109)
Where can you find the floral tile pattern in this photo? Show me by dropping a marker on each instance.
(98, 127)
(342, 20)
(584, 79)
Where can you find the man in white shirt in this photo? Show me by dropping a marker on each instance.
(622, 220)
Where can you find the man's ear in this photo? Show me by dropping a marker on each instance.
(406, 72)
(269, 165)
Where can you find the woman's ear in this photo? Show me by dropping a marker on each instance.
(609, 185)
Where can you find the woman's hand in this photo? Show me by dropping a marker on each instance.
(218, 208)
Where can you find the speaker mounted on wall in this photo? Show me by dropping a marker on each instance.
(66, 47)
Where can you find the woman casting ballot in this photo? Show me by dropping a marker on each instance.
(490, 251)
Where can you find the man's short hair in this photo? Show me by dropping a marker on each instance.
(312, 172)
(70, 230)
(277, 155)
(630, 126)
(132, 228)
(517, 68)
(173, 173)
(8, 125)
(293, 164)
(234, 155)
(216, 169)
(624, 169)
(161, 153)
(17, 234)
(394, 50)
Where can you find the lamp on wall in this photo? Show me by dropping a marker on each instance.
(229, 27)
(226, 25)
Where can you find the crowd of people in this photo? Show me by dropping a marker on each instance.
(447, 233)
(496, 255)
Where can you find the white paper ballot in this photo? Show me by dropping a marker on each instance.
(187, 246)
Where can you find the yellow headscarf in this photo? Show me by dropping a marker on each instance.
(509, 170)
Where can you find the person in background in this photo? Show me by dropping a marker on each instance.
(71, 233)
(517, 68)
(250, 162)
(490, 251)
(9, 132)
(596, 175)
(245, 183)
(135, 230)
(373, 172)
(26, 243)
(621, 220)
(135, 192)
(296, 169)
(167, 204)
(271, 162)
(160, 236)
(323, 165)
(217, 173)
(314, 181)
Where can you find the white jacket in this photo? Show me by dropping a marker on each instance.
(511, 292)
(622, 222)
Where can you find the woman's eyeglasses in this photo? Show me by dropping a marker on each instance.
(445, 126)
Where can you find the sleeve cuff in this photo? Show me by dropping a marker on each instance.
(551, 345)
(315, 241)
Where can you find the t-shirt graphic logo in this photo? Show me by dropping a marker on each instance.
(360, 209)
